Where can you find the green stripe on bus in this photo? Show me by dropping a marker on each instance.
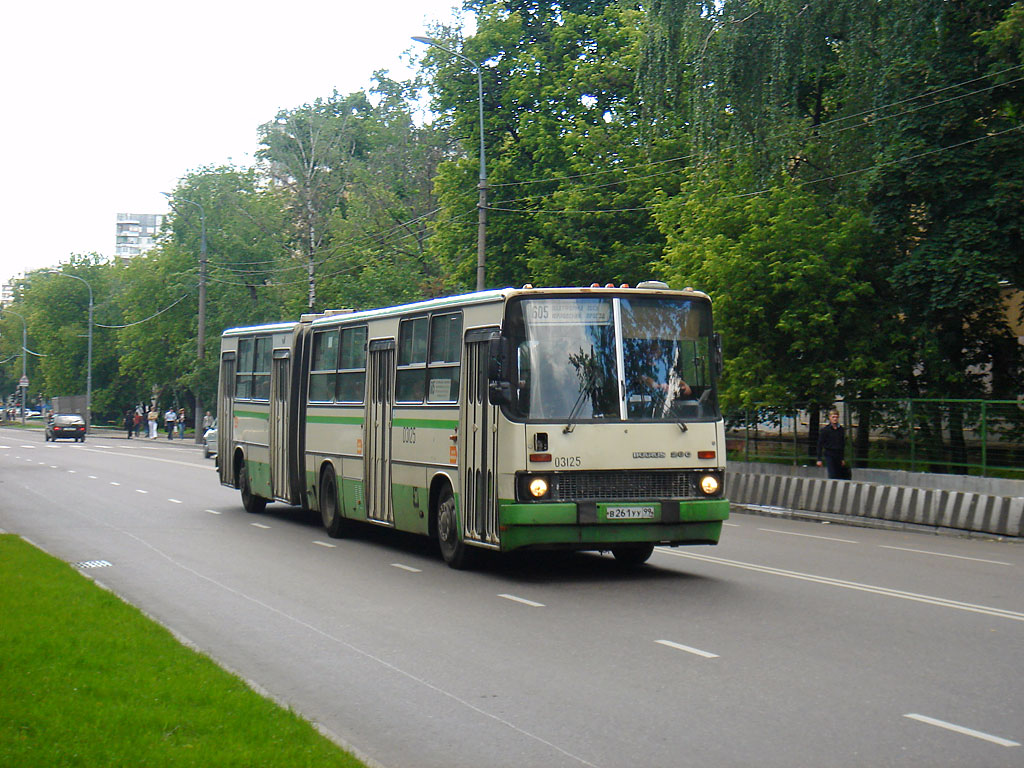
(425, 423)
(253, 414)
(357, 420)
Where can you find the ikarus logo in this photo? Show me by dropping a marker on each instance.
(648, 454)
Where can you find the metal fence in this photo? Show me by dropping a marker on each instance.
(975, 437)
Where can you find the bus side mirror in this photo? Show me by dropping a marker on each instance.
(499, 391)
(718, 361)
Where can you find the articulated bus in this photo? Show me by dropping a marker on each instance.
(512, 419)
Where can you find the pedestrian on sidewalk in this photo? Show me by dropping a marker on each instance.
(832, 448)
(153, 417)
(170, 421)
(129, 422)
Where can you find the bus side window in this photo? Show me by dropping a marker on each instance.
(412, 360)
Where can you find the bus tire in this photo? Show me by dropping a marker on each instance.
(632, 554)
(334, 522)
(253, 504)
(449, 541)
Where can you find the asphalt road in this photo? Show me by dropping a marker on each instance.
(790, 644)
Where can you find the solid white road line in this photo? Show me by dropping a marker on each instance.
(943, 554)
(883, 591)
(961, 729)
(808, 535)
(688, 649)
(522, 600)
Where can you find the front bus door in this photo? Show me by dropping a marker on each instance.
(380, 378)
(478, 444)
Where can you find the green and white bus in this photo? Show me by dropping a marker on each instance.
(533, 418)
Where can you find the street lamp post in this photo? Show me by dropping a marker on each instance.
(481, 232)
(201, 323)
(88, 364)
(24, 350)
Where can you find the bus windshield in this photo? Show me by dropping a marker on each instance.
(632, 358)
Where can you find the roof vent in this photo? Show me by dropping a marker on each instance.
(653, 285)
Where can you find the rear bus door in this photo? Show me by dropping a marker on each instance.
(280, 432)
(226, 418)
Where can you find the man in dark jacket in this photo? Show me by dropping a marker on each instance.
(832, 447)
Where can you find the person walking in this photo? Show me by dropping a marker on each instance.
(181, 423)
(129, 422)
(832, 447)
(153, 417)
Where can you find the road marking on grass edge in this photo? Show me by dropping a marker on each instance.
(688, 649)
(962, 730)
(522, 600)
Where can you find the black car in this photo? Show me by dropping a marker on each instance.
(69, 425)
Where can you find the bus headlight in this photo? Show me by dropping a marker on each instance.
(533, 487)
(709, 485)
(538, 487)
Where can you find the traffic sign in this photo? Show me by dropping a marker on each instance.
(23, 382)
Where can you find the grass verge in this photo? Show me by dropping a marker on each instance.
(87, 680)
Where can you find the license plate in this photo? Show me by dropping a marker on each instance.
(629, 513)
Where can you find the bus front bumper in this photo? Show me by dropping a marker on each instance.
(602, 525)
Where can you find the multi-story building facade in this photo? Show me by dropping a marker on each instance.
(136, 233)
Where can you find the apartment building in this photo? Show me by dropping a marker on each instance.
(136, 233)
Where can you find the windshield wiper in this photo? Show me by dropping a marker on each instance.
(584, 392)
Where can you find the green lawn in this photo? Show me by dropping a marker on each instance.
(87, 680)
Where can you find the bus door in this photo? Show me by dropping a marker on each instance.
(226, 418)
(380, 378)
(280, 431)
(477, 444)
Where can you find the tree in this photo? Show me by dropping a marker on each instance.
(310, 152)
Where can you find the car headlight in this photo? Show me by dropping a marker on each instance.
(533, 487)
(709, 485)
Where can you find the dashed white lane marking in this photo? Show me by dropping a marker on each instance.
(688, 649)
(943, 554)
(213, 511)
(139, 490)
(113, 483)
(807, 535)
(326, 544)
(961, 729)
(175, 501)
(408, 568)
(92, 477)
(260, 525)
(522, 600)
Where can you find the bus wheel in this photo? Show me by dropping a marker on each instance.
(632, 554)
(252, 503)
(334, 522)
(453, 548)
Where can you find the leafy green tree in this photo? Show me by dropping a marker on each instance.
(566, 155)
(783, 269)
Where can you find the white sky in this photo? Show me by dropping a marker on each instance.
(108, 103)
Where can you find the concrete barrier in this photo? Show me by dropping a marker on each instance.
(977, 505)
